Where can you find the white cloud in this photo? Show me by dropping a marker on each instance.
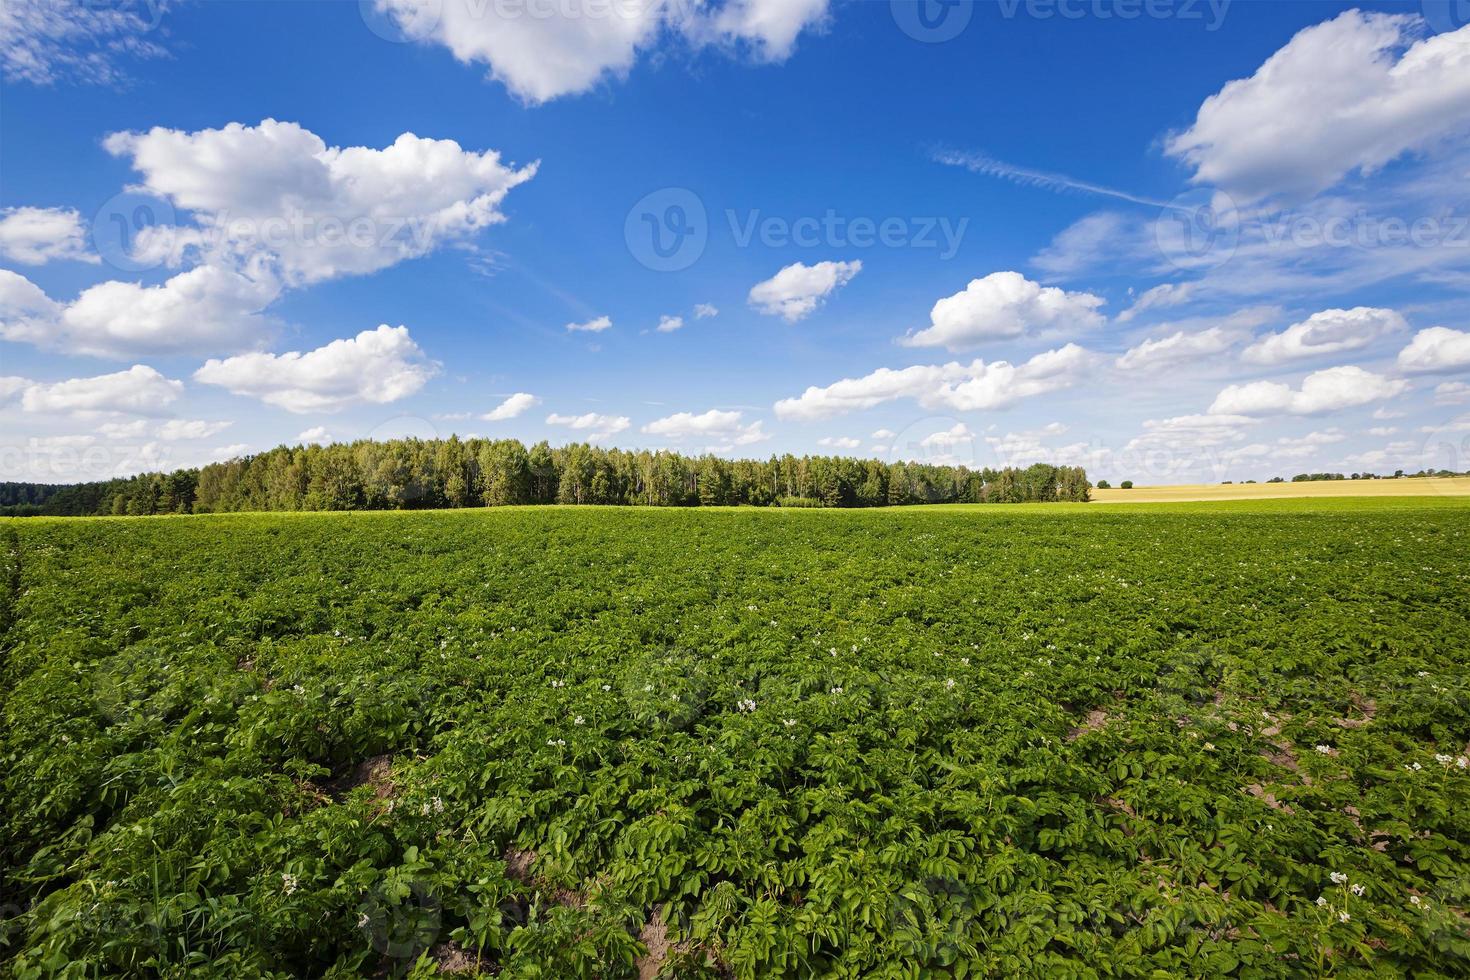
(1384, 430)
(956, 435)
(1177, 348)
(595, 425)
(48, 41)
(375, 367)
(976, 386)
(207, 309)
(884, 434)
(591, 326)
(668, 324)
(1452, 393)
(140, 390)
(1167, 294)
(175, 430)
(1079, 245)
(1327, 332)
(541, 50)
(769, 27)
(1323, 391)
(35, 236)
(797, 290)
(703, 310)
(277, 199)
(727, 427)
(316, 435)
(512, 407)
(136, 429)
(1002, 306)
(1351, 94)
(234, 450)
(839, 442)
(1437, 349)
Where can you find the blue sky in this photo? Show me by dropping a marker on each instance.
(1173, 241)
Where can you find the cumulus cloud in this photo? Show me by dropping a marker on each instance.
(595, 425)
(797, 290)
(704, 310)
(1437, 349)
(375, 367)
(48, 41)
(1327, 332)
(541, 50)
(207, 309)
(976, 386)
(35, 236)
(1177, 348)
(316, 435)
(839, 442)
(1350, 94)
(768, 28)
(883, 434)
(668, 324)
(945, 439)
(1002, 306)
(596, 325)
(513, 407)
(1452, 393)
(276, 199)
(140, 390)
(1323, 391)
(725, 427)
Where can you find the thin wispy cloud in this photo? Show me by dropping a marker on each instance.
(980, 163)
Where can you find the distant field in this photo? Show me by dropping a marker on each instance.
(1409, 487)
(1051, 740)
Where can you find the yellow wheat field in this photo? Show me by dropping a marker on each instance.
(1407, 487)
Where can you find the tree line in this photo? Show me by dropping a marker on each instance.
(404, 474)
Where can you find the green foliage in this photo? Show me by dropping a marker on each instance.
(417, 474)
(921, 743)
